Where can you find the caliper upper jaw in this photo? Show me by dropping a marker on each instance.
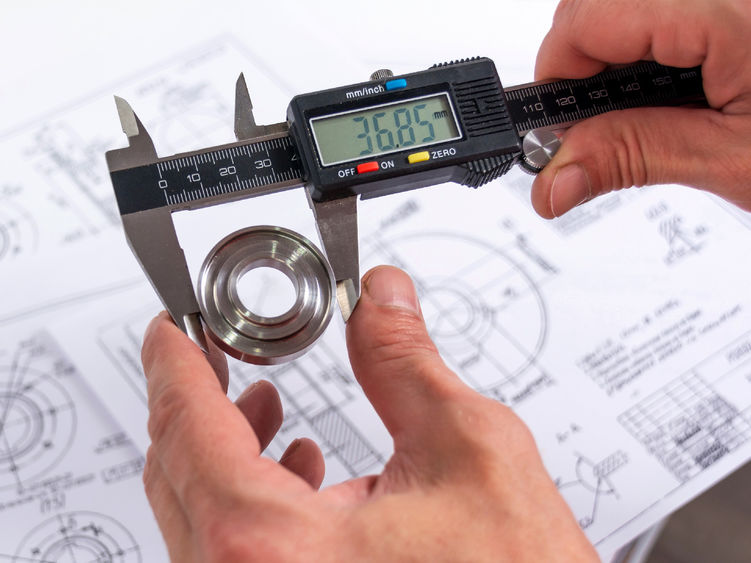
(140, 150)
(152, 237)
(245, 124)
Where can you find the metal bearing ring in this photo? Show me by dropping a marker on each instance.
(250, 337)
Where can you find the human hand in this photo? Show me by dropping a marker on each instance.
(465, 482)
(704, 148)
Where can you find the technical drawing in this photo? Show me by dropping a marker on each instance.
(315, 390)
(37, 415)
(681, 241)
(591, 482)
(75, 537)
(18, 230)
(483, 310)
(190, 115)
(315, 394)
(67, 159)
(577, 219)
(121, 342)
(687, 425)
(59, 159)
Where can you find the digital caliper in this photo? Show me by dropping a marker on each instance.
(451, 123)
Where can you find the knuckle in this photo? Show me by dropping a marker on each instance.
(631, 169)
(574, 16)
(566, 11)
(492, 426)
(224, 545)
(613, 149)
(499, 440)
(244, 536)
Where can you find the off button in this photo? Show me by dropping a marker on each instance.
(367, 167)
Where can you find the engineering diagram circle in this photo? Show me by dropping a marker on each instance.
(17, 231)
(77, 537)
(37, 424)
(481, 307)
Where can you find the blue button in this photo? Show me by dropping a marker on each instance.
(396, 84)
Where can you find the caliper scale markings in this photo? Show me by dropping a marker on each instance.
(192, 180)
(562, 103)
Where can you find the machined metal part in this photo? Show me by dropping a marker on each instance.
(539, 147)
(248, 336)
(336, 221)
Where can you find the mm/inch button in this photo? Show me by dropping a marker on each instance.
(396, 84)
(367, 167)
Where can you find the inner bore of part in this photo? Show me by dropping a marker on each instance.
(266, 292)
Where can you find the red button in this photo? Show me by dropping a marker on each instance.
(367, 167)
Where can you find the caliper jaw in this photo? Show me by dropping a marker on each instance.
(151, 234)
(336, 220)
(152, 237)
(245, 123)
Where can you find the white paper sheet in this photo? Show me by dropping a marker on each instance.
(633, 375)
(70, 478)
(620, 333)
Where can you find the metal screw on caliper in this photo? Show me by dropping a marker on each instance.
(538, 149)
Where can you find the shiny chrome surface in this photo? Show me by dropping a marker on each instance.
(241, 332)
(539, 147)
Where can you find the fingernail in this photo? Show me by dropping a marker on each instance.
(391, 287)
(290, 450)
(571, 187)
(249, 390)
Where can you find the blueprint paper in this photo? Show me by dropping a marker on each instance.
(634, 376)
(619, 333)
(70, 478)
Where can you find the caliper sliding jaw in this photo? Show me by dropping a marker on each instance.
(336, 220)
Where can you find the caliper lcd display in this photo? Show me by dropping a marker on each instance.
(384, 129)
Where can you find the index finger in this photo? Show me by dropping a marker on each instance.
(586, 36)
(202, 440)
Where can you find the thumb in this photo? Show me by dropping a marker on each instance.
(702, 148)
(393, 357)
